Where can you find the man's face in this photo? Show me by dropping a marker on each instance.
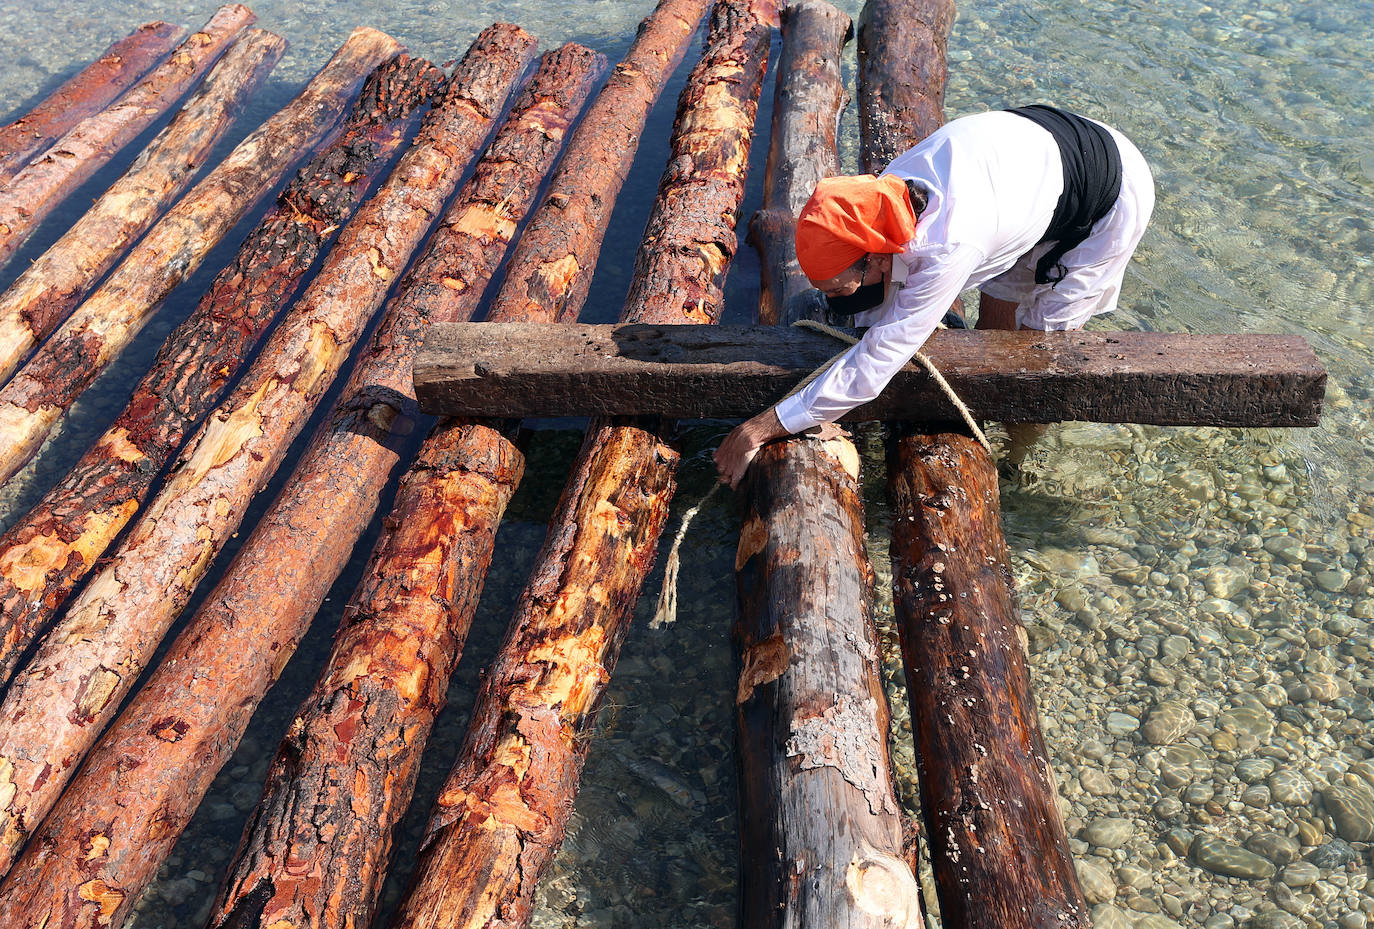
(870, 269)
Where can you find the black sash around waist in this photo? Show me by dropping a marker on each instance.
(1092, 182)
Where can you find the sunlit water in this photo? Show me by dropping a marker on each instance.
(1199, 601)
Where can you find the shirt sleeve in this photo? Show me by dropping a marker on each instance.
(861, 373)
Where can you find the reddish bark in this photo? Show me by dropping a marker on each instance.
(997, 842)
(38, 396)
(504, 808)
(816, 794)
(51, 286)
(317, 851)
(47, 552)
(557, 253)
(33, 192)
(57, 707)
(88, 92)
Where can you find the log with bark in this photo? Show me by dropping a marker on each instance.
(35, 190)
(39, 395)
(57, 706)
(504, 808)
(1171, 379)
(369, 717)
(51, 548)
(563, 240)
(821, 830)
(52, 286)
(187, 719)
(997, 842)
(88, 92)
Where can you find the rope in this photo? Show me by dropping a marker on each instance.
(666, 611)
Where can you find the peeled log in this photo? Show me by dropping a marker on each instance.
(316, 852)
(39, 395)
(504, 809)
(48, 551)
(997, 842)
(821, 830)
(87, 93)
(50, 287)
(556, 255)
(33, 192)
(56, 708)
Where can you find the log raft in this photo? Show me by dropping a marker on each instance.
(1157, 378)
(504, 808)
(50, 549)
(52, 286)
(821, 830)
(88, 92)
(190, 715)
(35, 190)
(75, 682)
(997, 841)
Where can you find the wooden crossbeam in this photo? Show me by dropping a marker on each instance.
(701, 372)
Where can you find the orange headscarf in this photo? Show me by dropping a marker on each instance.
(849, 217)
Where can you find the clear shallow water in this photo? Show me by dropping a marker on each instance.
(1198, 601)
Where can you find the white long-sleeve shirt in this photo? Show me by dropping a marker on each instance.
(993, 181)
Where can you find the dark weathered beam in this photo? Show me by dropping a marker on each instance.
(734, 371)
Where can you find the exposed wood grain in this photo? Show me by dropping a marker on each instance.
(58, 705)
(86, 93)
(52, 285)
(47, 552)
(99, 329)
(317, 850)
(42, 184)
(504, 809)
(821, 831)
(735, 371)
(997, 842)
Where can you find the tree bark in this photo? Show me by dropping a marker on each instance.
(316, 852)
(85, 94)
(503, 810)
(186, 721)
(557, 253)
(52, 286)
(57, 707)
(33, 192)
(821, 830)
(420, 591)
(1172, 379)
(47, 552)
(38, 396)
(997, 842)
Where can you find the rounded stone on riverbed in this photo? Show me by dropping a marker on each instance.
(1300, 874)
(1107, 916)
(1095, 877)
(1111, 832)
(1290, 788)
(1231, 860)
(1122, 724)
(1254, 770)
(1168, 722)
(1275, 846)
(1096, 782)
(1351, 806)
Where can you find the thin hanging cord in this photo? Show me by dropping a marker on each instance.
(666, 611)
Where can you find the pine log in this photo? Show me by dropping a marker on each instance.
(59, 704)
(997, 842)
(35, 190)
(49, 550)
(52, 286)
(88, 92)
(187, 719)
(902, 74)
(317, 850)
(821, 830)
(1171, 379)
(39, 395)
(422, 583)
(559, 249)
(504, 808)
